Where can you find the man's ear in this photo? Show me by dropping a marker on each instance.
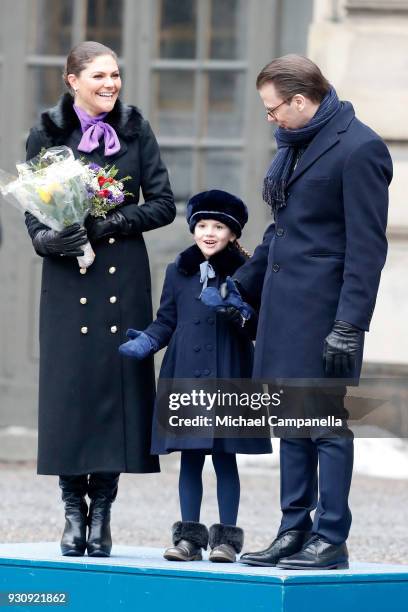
(300, 102)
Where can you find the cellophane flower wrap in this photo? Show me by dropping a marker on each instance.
(52, 186)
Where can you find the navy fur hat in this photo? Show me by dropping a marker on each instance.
(219, 205)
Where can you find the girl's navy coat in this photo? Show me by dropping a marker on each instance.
(200, 343)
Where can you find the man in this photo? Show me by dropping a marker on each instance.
(319, 268)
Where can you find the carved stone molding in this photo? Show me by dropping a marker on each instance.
(377, 6)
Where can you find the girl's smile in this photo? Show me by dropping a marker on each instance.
(212, 236)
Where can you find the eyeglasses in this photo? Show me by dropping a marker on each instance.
(271, 111)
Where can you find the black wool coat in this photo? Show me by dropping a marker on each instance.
(95, 408)
(201, 344)
(322, 258)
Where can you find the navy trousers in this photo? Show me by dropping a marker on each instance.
(316, 474)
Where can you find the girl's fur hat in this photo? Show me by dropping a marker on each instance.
(219, 205)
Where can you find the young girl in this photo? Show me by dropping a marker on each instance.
(208, 344)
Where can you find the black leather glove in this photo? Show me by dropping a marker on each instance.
(67, 242)
(115, 222)
(341, 347)
(232, 315)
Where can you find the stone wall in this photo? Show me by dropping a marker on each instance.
(362, 47)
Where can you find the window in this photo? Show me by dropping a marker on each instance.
(55, 27)
(198, 84)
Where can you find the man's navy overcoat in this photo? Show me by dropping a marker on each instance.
(322, 258)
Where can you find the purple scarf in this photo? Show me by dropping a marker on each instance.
(92, 130)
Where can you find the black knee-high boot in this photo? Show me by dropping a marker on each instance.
(74, 489)
(102, 491)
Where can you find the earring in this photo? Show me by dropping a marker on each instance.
(76, 90)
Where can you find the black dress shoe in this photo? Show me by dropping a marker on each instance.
(317, 554)
(284, 545)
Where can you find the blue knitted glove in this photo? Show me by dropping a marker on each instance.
(139, 346)
(211, 297)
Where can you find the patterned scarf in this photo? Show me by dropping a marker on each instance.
(289, 142)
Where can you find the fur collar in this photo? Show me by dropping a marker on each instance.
(224, 262)
(61, 120)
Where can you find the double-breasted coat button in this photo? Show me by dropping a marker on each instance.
(196, 321)
(206, 372)
(114, 329)
(280, 231)
(209, 347)
(84, 330)
(276, 267)
(111, 241)
(113, 299)
(210, 320)
(197, 373)
(83, 300)
(112, 270)
(197, 348)
(82, 270)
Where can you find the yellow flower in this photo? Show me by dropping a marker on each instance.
(47, 193)
(44, 194)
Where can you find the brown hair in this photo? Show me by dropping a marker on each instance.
(241, 249)
(294, 74)
(81, 55)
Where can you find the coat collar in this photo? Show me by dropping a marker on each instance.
(225, 262)
(60, 121)
(327, 138)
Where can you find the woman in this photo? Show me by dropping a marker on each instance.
(95, 410)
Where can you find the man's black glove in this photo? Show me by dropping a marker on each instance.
(340, 349)
(115, 222)
(67, 242)
(232, 315)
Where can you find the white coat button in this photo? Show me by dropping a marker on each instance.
(83, 300)
(114, 329)
(113, 299)
(112, 270)
(82, 270)
(84, 330)
(111, 241)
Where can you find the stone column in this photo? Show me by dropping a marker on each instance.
(362, 48)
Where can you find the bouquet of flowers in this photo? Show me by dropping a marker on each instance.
(52, 187)
(60, 190)
(104, 190)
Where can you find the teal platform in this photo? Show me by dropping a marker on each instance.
(139, 579)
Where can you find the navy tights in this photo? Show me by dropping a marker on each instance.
(191, 485)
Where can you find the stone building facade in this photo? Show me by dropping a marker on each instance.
(190, 65)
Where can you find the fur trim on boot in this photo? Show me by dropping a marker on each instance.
(197, 533)
(226, 534)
